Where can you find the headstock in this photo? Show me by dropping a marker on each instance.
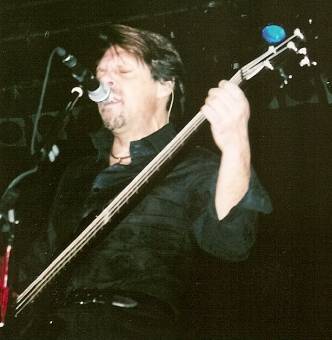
(295, 43)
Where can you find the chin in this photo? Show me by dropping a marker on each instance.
(115, 123)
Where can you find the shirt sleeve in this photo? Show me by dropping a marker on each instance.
(232, 237)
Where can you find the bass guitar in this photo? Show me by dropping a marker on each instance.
(24, 299)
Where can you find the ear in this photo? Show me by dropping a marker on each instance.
(165, 88)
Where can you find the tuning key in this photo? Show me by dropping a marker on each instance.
(305, 61)
(298, 33)
(268, 65)
(291, 45)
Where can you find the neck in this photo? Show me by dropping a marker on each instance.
(120, 152)
(122, 139)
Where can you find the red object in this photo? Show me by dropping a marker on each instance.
(4, 290)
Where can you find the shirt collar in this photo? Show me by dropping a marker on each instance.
(147, 146)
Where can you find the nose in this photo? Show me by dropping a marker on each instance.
(106, 77)
(108, 81)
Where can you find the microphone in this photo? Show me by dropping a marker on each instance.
(97, 91)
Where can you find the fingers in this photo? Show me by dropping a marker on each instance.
(227, 97)
(219, 99)
(227, 109)
(228, 87)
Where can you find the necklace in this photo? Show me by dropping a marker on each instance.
(119, 159)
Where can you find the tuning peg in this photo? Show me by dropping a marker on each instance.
(305, 61)
(298, 33)
(268, 65)
(291, 45)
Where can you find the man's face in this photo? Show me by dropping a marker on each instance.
(133, 101)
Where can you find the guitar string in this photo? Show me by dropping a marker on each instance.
(102, 220)
(104, 217)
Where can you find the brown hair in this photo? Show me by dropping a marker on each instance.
(156, 51)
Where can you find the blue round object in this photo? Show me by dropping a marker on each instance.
(273, 34)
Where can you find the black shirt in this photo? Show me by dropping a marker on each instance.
(149, 248)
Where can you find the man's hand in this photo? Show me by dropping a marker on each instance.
(227, 110)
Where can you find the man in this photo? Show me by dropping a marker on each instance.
(130, 283)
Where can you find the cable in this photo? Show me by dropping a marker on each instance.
(171, 105)
(41, 102)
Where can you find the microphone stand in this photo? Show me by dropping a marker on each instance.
(8, 222)
(50, 150)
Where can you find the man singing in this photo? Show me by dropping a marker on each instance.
(130, 283)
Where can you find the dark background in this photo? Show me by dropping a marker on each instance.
(284, 290)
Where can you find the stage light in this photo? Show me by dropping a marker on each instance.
(273, 34)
